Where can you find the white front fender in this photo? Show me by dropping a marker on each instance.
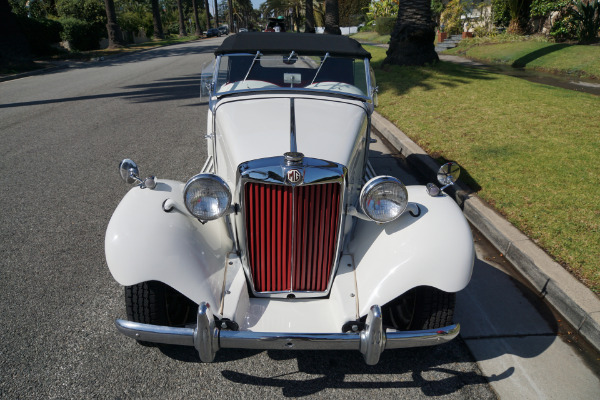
(144, 243)
(433, 249)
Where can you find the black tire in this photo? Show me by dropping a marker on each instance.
(421, 308)
(158, 304)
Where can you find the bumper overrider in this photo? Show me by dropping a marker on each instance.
(207, 338)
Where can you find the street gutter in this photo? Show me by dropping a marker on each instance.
(573, 300)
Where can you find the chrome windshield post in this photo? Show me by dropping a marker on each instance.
(256, 57)
(320, 66)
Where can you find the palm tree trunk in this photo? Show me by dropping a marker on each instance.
(216, 15)
(158, 31)
(182, 31)
(230, 6)
(332, 18)
(412, 39)
(196, 20)
(115, 37)
(309, 23)
(207, 14)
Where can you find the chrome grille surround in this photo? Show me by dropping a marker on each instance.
(273, 171)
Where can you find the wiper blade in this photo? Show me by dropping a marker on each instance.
(252, 65)
(320, 65)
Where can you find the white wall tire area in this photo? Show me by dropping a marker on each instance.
(420, 308)
(158, 304)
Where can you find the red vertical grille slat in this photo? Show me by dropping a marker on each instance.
(291, 235)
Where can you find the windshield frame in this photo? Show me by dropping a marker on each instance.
(215, 94)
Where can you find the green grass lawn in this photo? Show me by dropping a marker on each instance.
(371, 37)
(577, 60)
(532, 151)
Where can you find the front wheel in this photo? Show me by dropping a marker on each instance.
(421, 308)
(158, 304)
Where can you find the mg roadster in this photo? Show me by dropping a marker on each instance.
(286, 238)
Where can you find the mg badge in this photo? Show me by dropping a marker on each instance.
(294, 176)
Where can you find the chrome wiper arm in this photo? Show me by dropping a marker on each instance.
(320, 65)
(252, 65)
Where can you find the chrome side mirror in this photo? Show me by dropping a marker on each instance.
(130, 173)
(446, 176)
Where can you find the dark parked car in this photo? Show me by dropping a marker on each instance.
(213, 32)
(224, 30)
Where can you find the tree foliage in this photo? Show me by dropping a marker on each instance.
(352, 12)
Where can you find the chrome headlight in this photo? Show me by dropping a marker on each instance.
(383, 198)
(207, 196)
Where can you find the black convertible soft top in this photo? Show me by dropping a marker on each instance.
(302, 43)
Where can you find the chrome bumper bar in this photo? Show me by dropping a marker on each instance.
(207, 338)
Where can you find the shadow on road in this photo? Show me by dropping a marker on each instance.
(187, 87)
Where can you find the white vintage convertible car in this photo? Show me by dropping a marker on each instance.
(286, 239)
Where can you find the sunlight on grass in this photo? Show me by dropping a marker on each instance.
(578, 60)
(372, 37)
(532, 149)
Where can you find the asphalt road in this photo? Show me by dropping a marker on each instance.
(62, 135)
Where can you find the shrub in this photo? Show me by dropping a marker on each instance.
(586, 18)
(133, 22)
(450, 18)
(384, 25)
(500, 12)
(542, 8)
(81, 35)
(41, 33)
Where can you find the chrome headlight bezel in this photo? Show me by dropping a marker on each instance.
(213, 184)
(376, 186)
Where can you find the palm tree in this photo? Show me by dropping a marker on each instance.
(158, 30)
(196, 20)
(115, 37)
(332, 18)
(207, 14)
(411, 42)
(230, 14)
(309, 23)
(182, 31)
(216, 15)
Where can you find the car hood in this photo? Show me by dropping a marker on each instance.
(255, 128)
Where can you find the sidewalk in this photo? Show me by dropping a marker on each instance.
(576, 303)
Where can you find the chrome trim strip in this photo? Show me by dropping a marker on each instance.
(369, 83)
(208, 339)
(294, 90)
(293, 143)
(208, 167)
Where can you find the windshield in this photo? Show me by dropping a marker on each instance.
(291, 71)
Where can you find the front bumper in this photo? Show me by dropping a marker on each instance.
(207, 338)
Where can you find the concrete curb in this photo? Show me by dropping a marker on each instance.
(576, 303)
(32, 73)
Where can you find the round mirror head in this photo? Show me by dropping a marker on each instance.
(448, 173)
(126, 168)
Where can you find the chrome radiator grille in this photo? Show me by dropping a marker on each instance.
(291, 235)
